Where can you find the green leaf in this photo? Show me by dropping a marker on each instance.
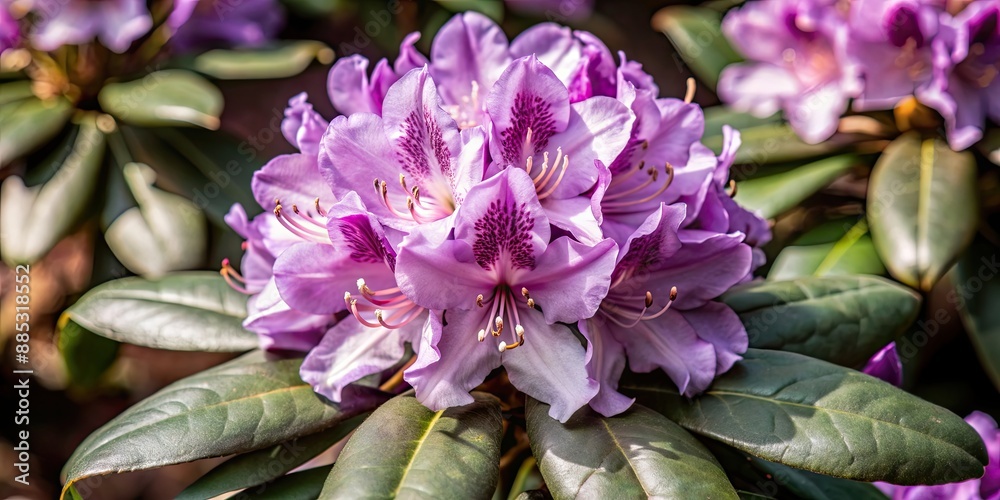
(813, 415)
(169, 97)
(990, 145)
(194, 311)
(811, 486)
(164, 233)
(86, 356)
(777, 143)
(302, 485)
(246, 404)
(211, 168)
(922, 208)
(696, 33)
(840, 319)
(638, 454)
(14, 91)
(528, 478)
(978, 293)
(850, 251)
(26, 124)
(262, 466)
(405, 449)
(35, 218)
(717, 116)
(281, 61)
(775, 194)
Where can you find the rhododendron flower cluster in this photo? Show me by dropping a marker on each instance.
(532, 205)
(810, 58)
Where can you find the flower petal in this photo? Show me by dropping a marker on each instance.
(550, 367)
(606, 365)
(572, 278)
(885, 365)
(670, 343)
(292, 179)
(469, 49)
(450, 362)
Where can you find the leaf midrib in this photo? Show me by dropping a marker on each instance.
(416, 451)
(112, 296)
(719, 393)
(625, 455)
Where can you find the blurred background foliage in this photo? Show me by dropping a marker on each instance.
(178, 178)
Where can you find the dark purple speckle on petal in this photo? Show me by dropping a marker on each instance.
(504, 228)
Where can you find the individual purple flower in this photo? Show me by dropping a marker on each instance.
(535, 127)
(893, 44)
(796, 63)
(659, 311)
(353, 91)
(303, 127)
(966, 87)
(581, 61)
(10, 32)
(490, 269)
(984, 488)
(279, 327)
(116, 23)
(208, 24)
(420, 164)
(885, 365)
(316, 278)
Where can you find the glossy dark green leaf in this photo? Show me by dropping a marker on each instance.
(26, 124)
(169, 97)
(841, 319)
(922, 208)
(977, 290)
(266, 465)
(811, 486)
(165, 233)
(852, 253)
(86, 356)
(777, 143)
(775, 194)
(810, 414)
(638, 454)
(246, 404)
(533, 495)
(35, 218)
(696, 33)
(302, 485)
(407, 450)
(280, 61)
(195, 311)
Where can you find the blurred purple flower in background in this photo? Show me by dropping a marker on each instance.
(965, 87)
(795, 51)
(553, 10)
(209, 24)
(116, 23)
(984, 488)
(10, 32)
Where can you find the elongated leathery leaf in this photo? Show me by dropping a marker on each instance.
(805, 413)
(194, 311)
(922, 207)
(841, 319)
(405, 450)
(246, 404)
(638, 454)
(259, 467)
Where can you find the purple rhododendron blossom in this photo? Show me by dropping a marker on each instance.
(553, 10)
(474, 204)
(965, 87)
(810, 58)
(795, 51)
(499, 269)
(886, 365)
(207, 24)
(659, 310)
(984, 488)
(116, 23)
